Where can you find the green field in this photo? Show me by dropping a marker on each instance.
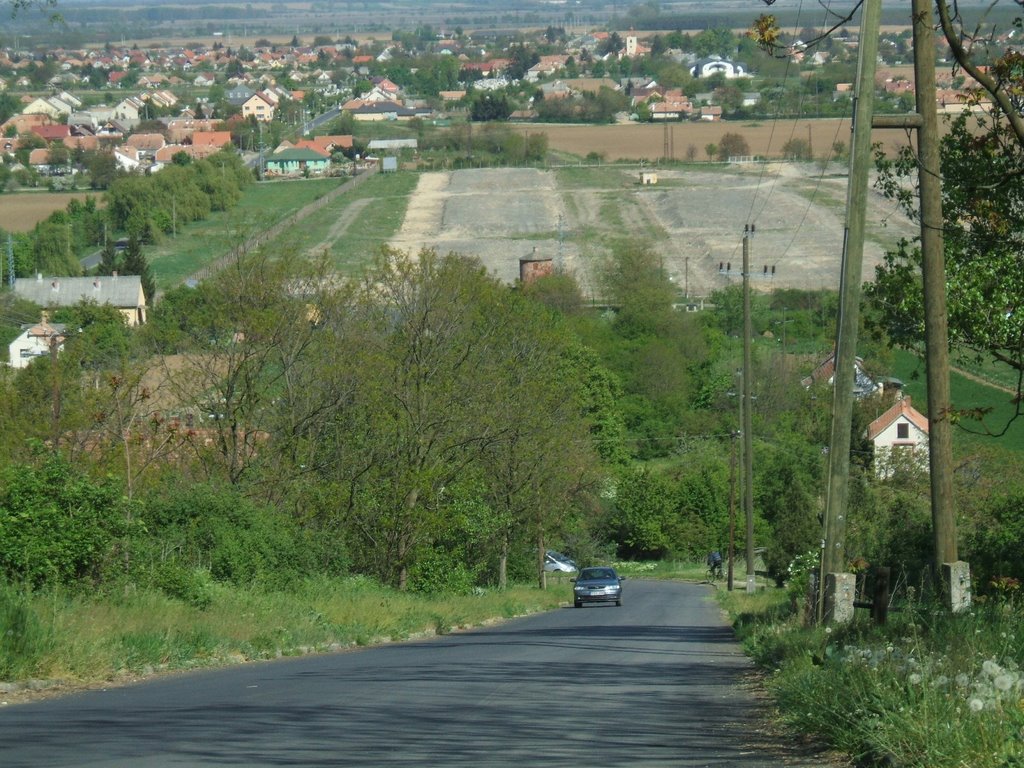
(966, 394)
(262, 205)
(353, 227)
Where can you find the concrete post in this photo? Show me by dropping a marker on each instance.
(957, 578)
(840, 589)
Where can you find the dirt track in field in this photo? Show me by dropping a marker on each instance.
(694, 217)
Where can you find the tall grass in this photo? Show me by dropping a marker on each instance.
(927, 690)
(80, 639)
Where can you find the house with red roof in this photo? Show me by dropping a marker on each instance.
(217, 139)
(900, 439)
(51, 132)
(326, 144)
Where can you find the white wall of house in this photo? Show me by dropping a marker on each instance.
(26, 348)
(899, 443)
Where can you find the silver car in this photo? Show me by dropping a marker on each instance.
(556, 561)
(597, 585)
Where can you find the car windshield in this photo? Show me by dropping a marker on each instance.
(598, 573)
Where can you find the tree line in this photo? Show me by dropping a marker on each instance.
(146, 207)
(435, 430)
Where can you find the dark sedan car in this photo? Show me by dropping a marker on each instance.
(597, 585)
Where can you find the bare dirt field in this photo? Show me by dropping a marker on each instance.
(647, 141)
(21, 211)
(694, 217)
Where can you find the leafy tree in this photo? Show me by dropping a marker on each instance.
(732, 145)
(787, 498)
(611, 44)
(642, 516)
(52, 249)
(520, 60)
(797, 149)
(9, 106)
(102, 169)
(636, 280)
(714, 42)
(445, 356)
(110, 260)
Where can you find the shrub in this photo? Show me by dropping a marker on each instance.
(438, 572)
(59, 526)
(234, 538)
(191, 586)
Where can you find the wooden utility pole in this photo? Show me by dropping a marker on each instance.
(748, 440)
(733, 438)
(833, 558)
(934, 273)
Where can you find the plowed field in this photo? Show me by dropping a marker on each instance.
(635, 141)
(22, 211)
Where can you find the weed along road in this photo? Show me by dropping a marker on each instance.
(656, 682)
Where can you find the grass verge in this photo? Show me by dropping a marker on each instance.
(926, 690)
(82, 640)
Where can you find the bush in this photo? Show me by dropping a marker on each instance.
(440, 572)
(188, 585)
(59, 526)
(235, 539)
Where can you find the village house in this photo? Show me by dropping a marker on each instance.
(863, 384)
(123, 292)
(297, 160)
(260, 107)
(35, 340)
(899, 438)
(131, 108)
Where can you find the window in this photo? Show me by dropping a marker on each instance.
(902, 431)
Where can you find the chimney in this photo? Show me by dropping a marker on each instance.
(39, 277)
(96, 283)
(55, 285)
(45, 317)
(114, 274)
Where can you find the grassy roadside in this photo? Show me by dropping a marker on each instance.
(75, 641)
(59, 642)
(927, 690)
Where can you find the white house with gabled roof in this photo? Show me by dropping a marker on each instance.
(900, 439)
(35, 340)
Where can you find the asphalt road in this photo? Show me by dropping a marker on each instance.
(657, 682)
